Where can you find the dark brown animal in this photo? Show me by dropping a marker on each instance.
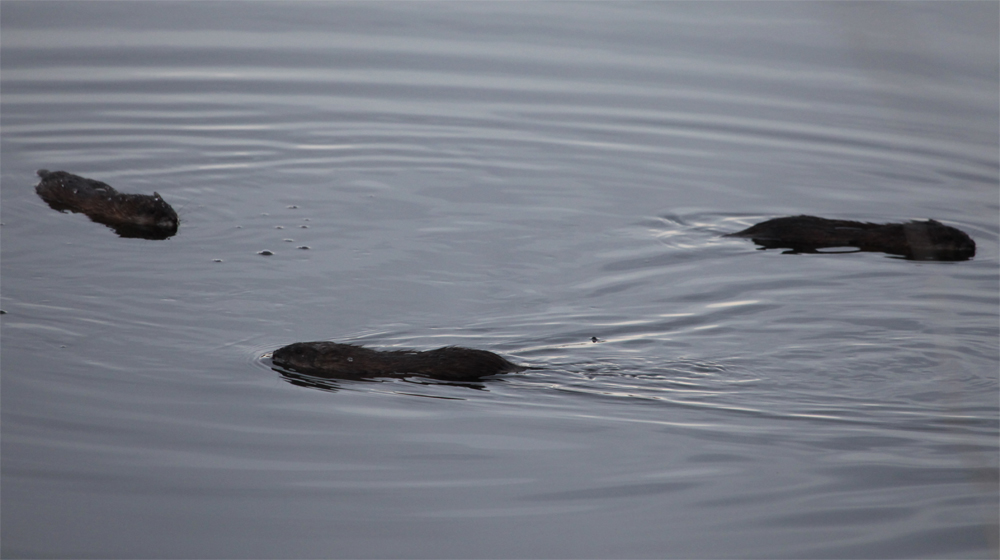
(930, 240)
(130, 215)
(347, 361)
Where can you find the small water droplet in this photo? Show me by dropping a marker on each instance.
(216, 260)
(289, 240)
(304, 227)
(350, 359)
(279, 227)
(265, 252)
(292, 207)
(304, 247)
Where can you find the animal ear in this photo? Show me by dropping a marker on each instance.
(157, 195)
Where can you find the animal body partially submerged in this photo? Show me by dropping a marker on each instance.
(130, 215)
(930, 240)
(347, 361)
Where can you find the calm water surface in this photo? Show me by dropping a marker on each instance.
(517, 177)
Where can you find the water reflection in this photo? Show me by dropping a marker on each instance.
(334, 385)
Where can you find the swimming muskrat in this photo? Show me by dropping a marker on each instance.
(930, 240)
(330, 359)
(130, 215)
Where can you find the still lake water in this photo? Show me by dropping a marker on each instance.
(517, 177)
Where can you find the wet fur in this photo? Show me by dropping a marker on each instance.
(347, 361)
(130, 215)
(930, 240)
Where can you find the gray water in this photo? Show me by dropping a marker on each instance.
(516, 177)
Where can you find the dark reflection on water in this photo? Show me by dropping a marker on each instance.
(522, 178)
(311, 382)
(336, 384)
(123, 230)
